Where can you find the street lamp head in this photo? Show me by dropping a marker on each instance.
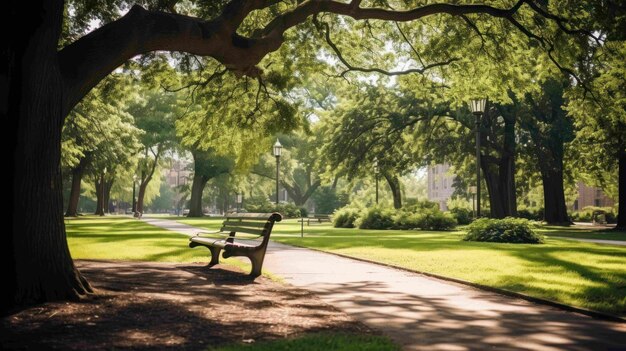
(376, 169)
(472, 189)
(478, 106)
(134, 177)
(239, 198)
(278, 148)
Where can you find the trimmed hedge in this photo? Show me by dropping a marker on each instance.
(345, 217)
(507, 230)
(425, 218)
(462, 215)
(376, 218)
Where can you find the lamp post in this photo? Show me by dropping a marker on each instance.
(239, 201)
(376, 171)
(472, 190)
(277, 151)
(104, 172)
(134, 203)
(478, 108)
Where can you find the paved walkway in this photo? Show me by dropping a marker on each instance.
(597, 241)
(423, 313)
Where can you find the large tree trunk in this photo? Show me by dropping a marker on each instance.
(108, 185)
(197, 188)
(140, 194)
(501, 187)
(77, 177)
(621, 214)
(555, 209)
(394, 185)
(37, 265)
(100, 198)
(496, 196)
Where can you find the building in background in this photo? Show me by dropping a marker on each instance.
(440, 181)
(591, 196)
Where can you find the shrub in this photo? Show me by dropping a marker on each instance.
(507, 230)
(405, 220)
(435, 220)
(304, 212)
(586, 214)
(376, 218)
(532, 214)
(462, 215)
(418, 206)
(345, 217)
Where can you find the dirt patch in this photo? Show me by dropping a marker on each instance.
(145, 305)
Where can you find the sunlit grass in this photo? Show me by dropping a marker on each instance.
(584, 233)
(127, 239)
(580, 274)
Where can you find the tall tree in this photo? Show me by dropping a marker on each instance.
(601, 124)
(43, 83)
(155, 115)
(550, 128)
(207, 165)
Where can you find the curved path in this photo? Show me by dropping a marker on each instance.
(423, 313)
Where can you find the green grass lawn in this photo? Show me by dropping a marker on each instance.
(575, 273)
(584, 233)
(124, 238)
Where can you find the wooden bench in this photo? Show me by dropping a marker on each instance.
(253, 234)
(316, 218)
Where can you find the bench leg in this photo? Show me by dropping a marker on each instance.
(215, 256)
(256, 259)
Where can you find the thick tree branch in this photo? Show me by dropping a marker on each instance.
(88, 60)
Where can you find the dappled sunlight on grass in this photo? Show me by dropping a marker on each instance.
(576, 273)
(583, 233)
(119, 238)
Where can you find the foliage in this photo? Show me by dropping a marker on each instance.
(327, 200)
(434, 220)
(507, 230)
(535, 214)
(375, 218)
(586, 215)
(288, 210)
(304, 212)
(421, 205)
(462, 215)
(346, 217)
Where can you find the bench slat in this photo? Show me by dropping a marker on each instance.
(264, 216)
(242, 230)
(229, 223)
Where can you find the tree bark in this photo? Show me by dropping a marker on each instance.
(100, 184)
(555, 209)
(36, 264)
(500, 180)
(108, 185)
(394, 185)
(621, 214)
(146, 177)
(77, 177)
(197, 188)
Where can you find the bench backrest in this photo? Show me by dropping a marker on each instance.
(259, 224)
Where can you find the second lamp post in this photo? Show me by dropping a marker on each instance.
(478, 108)
(277, 151)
